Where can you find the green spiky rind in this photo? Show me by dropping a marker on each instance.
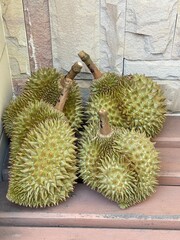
(106, 102)
(44, 83)
(44, 171)
(126, 158)
(73, 109)
(107, 84)
(117, 179)
(105, 168)
(145, 160)
(35, 113)
(15, 106)
(142, 104)
(134, 101)
(88, 155)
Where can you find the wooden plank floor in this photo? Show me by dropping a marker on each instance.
(87, 214)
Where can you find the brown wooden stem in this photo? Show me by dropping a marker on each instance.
(105, 128)
(89, 63)
(64, 95)
(75, 69)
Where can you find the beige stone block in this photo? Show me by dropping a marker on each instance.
(150, 27)
(13, 17)
(75, 27)
(172, 93)
(176, 43)
(5, 76)
(164, 70)
(112, 34)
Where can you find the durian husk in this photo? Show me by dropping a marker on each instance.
(134, 101)
(122, 166)
(143, 105)
(45, 85)
(36, 112)
(103, 95)
(44, 171)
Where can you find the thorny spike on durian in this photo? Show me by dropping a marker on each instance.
(43, 173)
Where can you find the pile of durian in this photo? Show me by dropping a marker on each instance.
(114, 154)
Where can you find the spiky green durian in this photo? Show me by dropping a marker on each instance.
(35, 113)
(122, 165)
(45, 85)
(44, 171)
(142, 104)
(133, 101)
(104, 94)
(13, 109)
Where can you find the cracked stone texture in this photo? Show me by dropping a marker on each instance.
(12, 12)
(112, 25)
(5, 76)
(150, 29)
(125, 36)
(75, 27)
(38, 33)
(172, 93)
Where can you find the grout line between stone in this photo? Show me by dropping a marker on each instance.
(174, 34)
(124, 47)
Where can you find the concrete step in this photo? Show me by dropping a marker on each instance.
(31, 233)
(169, 166)
(169, 137)
(87, 208)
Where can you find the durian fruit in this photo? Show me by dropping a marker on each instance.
(133, 101)
(43, 169)
(35, 113)
(120, 164)
(47, 84)
(142, 104)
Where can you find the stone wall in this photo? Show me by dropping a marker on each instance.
(13, 16)
(125, 36)
(5, 90)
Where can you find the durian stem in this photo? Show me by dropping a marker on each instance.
(105, 128)
(75, 69)
(89, 63)
(64, 95)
